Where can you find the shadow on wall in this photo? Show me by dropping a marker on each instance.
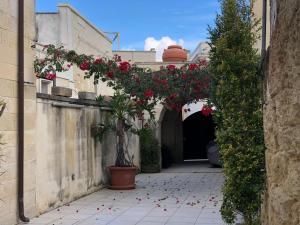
(171, 138)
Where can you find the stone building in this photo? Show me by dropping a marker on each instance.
(258, 12)
(201, 52)
(282, 116)
(8, 121)
(62, 159)
(69, 29)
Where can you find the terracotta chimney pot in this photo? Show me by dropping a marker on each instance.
(174, 53)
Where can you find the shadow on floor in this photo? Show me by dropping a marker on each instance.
(202, 166)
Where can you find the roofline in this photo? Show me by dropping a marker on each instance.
(134, 51)
(163, 63)
(64, 5)
(46, 13)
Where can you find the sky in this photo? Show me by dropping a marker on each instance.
(146, 24)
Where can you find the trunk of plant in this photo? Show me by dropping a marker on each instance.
(120, 161)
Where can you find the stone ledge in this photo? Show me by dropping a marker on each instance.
(61, 91)
(86, 95)
(71, 100)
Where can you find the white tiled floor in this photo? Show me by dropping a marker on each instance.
(182, 195)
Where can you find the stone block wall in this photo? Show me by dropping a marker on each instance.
(70, 162)
(282, 116)
(8, 122)
(73, 31)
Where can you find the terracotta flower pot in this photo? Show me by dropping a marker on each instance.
(174, 53)
(122, 178)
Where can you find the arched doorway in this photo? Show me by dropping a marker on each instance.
(198, 131)
(185, 140)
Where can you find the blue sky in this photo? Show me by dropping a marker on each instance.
(181, 21)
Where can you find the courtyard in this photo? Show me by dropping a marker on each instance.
(181, 195)
(138, 113)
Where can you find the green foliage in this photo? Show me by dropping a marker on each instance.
(150, 150)
(237, 95)
(171, 85)
(123, 113)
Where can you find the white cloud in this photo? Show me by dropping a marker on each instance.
(160, 44)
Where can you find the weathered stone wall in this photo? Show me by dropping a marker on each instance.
(282, 117)
(73, 31)
(70, 162)
(8, 122)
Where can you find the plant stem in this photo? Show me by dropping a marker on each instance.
(120, 160)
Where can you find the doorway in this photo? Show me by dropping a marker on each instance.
(198, 131)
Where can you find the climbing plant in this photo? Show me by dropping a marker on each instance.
(237, 95)
(137, 90)
(171, 85)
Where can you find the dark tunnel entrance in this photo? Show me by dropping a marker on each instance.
(198, 131)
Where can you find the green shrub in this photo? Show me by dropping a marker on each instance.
(150, 150)
(237, 95)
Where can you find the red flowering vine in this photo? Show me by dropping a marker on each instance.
(148, 93)
(206, 110)
(193, 67)
(98, 61)
(171, 67)
(171, 85)
(85, 65)
(110, 74)
(124, 66)
(50, 76)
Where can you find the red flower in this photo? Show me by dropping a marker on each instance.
(193, 67)
(148, 93)
(184, 76)
(140, 102)
(110, 74)
(117, 58)
(124, 66)
(98, 61)
(171, 67)
(172, 96)
(50, 76)
(85, 65)
(164, 82)
(206, 110)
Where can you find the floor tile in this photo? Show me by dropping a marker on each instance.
(180, 195)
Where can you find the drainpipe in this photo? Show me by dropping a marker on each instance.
(21, 111)
(264, 28)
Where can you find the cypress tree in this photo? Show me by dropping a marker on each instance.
(237, 95)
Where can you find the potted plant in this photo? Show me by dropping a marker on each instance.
(124, 113)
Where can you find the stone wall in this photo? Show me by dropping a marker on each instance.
(74, 32)
(8, 122)
(258, 12)
(70, 162)
(282, 117)
(137, 56)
